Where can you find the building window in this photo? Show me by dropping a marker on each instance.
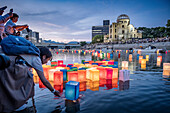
(115, 30)
(134, 36)
(125, 21)
(115, 25)
(122, 26)
(115, 36)
(123, 31)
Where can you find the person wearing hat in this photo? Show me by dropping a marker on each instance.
(3, 20)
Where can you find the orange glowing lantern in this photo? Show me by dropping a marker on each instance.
(94, 75)
(140, 58)
(124, 64)
(82, 86)
(72, 76)
(81, 75)
(166, 70)
(58, 78)
(147, 57)
(143, 64)
(108, 55)
(139, 51)
(130, 57)
(102, 72)
(46, 69)
(109, 74)
(159, 58)
(115, 83)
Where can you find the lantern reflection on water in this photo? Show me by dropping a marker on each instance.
(72, 76)
(123, 85)
(72, 90)
(94, 85)
(82, 86)
(143, 64)
(94, 75)
(166, 70)
(58, 78)
(81, 75)
(59, 87)
(115, 83)
(109, 83)
(124, 64)
(102, 82)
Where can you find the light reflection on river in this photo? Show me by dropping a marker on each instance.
(146, 91)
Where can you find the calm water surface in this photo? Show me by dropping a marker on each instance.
(145, 92)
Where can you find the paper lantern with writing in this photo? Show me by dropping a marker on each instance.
(72, 90)
(59, 88)
(147, 57)
(81, 75)
(64, 74)
(109, 73)
(58, 78)
(143, 64)
(140, 58)
(94, 75)
(124, 64)
(124, 75)
(82, 86)
(166, 70)
(102, 72)
(72, 76)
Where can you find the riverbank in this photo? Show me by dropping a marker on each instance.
(158, 45)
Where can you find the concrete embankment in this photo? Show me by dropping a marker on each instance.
(158, 45)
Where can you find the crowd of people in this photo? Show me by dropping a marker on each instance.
(31, 56)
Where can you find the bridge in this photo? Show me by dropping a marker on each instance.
(58, 45)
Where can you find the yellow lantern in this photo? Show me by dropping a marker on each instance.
(124, 64)
(115, 73)
(166, 70)
(157, 51)
(94, 85)
(94, 75)
(143, 64)
(147, 57)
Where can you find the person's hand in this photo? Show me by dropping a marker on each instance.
(57, 93)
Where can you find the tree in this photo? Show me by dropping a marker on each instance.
(82, 43)
(98, 39)
(168, 28)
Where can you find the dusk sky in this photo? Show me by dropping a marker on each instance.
(65, 20)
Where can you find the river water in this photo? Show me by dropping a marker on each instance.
(146, 91)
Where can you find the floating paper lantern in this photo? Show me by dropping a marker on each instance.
(102, 82)
(139, 51)
(64, 74)
(124, 64)
(59, 88)
(130, 57)
(82, 86)
(115, 73)
(54, 63)
(46, 69)
(157, 51)
(124, 75)
(140, 58)
(108, 55)
(51, 74)
(81, 75)
(111, 63)
(102, 72)
(147, 57)
(94, 75)
(109, 73)
(94, 85)
(60, 62)
(166, 70)
(58, 78)
(159, 58)
(72, 76)
(143, 64)
(72, 90)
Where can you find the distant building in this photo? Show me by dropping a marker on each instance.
(101, 30)
(122, 30)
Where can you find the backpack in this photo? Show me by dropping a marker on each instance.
(16, 85)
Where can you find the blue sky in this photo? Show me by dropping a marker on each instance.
(66, 20)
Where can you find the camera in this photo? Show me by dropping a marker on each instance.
(4, 62)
